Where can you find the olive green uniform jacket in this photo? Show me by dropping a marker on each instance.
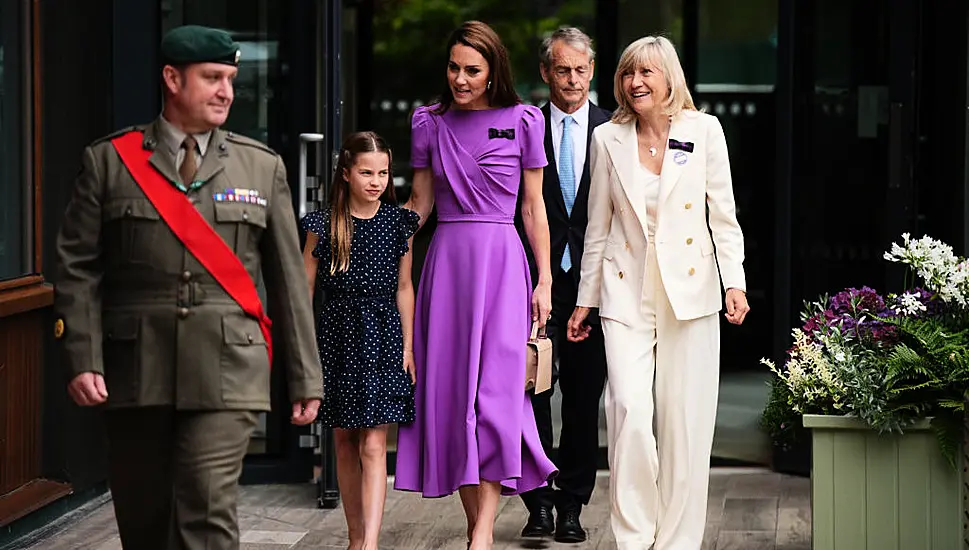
(139, 308)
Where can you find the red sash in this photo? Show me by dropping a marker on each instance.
(194, 231)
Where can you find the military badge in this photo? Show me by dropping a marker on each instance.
(249, 196)
(59, 329)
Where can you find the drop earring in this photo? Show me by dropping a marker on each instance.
(489, 85)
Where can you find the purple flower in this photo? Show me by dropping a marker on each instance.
(813, 324)
(853, 301)
(857, 313)
(885, 335)
(933, 304)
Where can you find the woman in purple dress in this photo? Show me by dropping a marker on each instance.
(475, 430)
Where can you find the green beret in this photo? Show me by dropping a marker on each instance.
(195, 44)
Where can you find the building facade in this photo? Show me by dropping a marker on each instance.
(846, 122)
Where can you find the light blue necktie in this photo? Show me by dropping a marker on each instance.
(567, 179)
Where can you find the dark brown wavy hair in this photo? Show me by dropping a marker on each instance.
(341, 222)
(484, 40)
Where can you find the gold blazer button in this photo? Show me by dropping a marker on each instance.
(688, 205)
(692, 271)
(689, 240)
(620, 275)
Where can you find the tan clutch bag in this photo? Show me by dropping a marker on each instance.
(538, 361)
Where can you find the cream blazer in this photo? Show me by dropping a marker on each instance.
(614, 261)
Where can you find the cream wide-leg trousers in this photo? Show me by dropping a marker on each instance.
(661, 407)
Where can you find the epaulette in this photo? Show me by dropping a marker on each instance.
(117, 133)
(249, 142)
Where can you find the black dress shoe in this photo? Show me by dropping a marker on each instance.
(541, 523)
(568, 529)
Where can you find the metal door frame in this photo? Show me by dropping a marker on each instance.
(328, 493)
(300, 73)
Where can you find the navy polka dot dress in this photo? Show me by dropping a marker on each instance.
(358, 331)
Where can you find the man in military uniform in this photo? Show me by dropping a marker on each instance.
(169, 226)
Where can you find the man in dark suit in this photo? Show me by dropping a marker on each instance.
(567, 65)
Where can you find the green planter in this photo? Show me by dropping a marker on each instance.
(881, 492)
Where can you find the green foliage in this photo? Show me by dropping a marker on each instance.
(949, 429)
(779, 420)
(926, 375)
(889, 362)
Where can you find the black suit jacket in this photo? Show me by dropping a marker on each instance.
(562, 227)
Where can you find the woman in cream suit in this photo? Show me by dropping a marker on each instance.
(651, 268)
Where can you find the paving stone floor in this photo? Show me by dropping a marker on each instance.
(749, 509)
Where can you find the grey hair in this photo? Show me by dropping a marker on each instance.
(571, 36)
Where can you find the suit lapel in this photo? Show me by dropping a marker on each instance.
(552, 184)
(595, 119)
(215, 155)
(624, 152)
(675, 161)
(160, 158)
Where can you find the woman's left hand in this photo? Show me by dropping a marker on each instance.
(410, 367)
(542, 304)
(737, 307)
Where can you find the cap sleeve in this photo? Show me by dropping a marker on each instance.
(318, 223)
(532, 130)
(422, 133)
(406, 227)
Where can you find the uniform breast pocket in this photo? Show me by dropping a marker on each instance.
(121, 355)
(131, 230)
(241, 225)
(245, 361)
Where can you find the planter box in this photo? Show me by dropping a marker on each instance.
(881, 492)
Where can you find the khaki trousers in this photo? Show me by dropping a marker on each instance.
(174, 476)
(661, 407)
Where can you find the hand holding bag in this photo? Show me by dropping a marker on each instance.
(538, 361)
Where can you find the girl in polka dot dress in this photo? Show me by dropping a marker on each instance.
(358, 253)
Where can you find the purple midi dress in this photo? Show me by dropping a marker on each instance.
(474, 420)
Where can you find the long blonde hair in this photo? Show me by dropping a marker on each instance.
(341, 222)
(659, 52)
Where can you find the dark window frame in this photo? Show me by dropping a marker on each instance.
(17, 139)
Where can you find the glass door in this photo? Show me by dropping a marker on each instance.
(735, 76)
(853, 185)
(847, 146)
(277, 97)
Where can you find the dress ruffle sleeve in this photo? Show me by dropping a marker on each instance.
(532, 130)
(318, 223)
(422, 135)
(406, 227)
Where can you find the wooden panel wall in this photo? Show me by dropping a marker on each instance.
(21, 368)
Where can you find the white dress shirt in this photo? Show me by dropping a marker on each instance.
(580, 136)
(173, 138)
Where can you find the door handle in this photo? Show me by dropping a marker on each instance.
(896, 145)
(304, 180)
